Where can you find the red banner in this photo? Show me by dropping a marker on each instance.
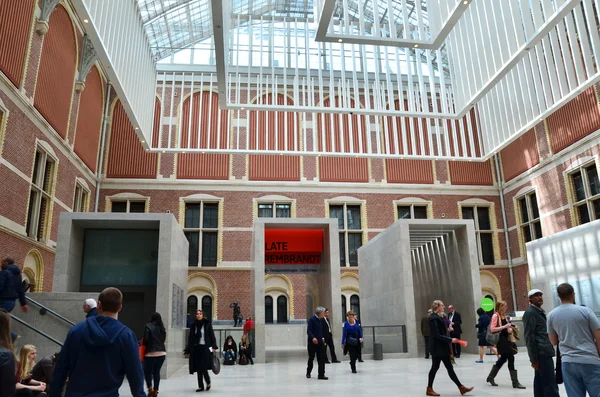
(293, 246)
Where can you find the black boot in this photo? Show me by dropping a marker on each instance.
(353, 367)
(515, 380)
(492, 375)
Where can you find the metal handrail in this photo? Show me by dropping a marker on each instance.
(42, 308)
(45, 335)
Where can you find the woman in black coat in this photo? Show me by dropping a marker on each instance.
(200, 340)
(440, 349)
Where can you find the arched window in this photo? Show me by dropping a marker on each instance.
(207, 306)
(282, 312)
(344, 307)
(268, 310)
(192, 306)
(355, 305)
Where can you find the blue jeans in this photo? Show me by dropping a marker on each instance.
(9, 306)
(544, 381)
(580, 378)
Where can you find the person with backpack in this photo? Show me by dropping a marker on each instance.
(229, 351)
(154, 339)
(11, 288)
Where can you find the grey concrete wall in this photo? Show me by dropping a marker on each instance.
(386, 283)
(571, 256)
(69, 305)
(327, 278)
(398, 284)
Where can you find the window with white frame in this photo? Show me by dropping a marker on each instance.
(412, 211)
(530, 224)
(586, 193)
(350, 228)
(274, 210)
(201, 227)
(81, 200)
(483, 229)
(128, 205)
(40, 199)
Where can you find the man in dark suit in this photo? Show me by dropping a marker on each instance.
(328, 338)
(316, 343)
(455, 324)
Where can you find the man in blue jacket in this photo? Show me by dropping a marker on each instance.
(11, 288)
(98, 353)
(316, 343)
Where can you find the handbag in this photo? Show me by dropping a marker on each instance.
(216, 364)
(492, 337)
(142, 350)
(352, 341)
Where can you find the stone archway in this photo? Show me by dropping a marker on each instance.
(202, 285)
(490, 285)
(33, 270)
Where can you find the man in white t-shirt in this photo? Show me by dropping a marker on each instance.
(577, 330)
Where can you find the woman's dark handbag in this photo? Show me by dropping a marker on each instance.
(492, 337)
(216, 364)
(243, 359)
(352, 341)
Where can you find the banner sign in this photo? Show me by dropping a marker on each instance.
(293, 250)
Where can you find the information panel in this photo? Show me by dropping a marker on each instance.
(293, 250)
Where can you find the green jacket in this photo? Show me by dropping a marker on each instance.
(536, 334)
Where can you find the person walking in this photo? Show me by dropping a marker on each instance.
(7, 357)
(11, 288)
(352, 337)
(425, 331)
(90, 308)
(328, 338)
(500, 323)
(98, 353)
(456, 329)
(316, 343)
(440, 349)
(155, 336)
(539, 348)
(577, 329)
(482, 326)
(200, 342)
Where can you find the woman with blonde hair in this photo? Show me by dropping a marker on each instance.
(440, 349)
(500, 323)
(245, 350)
(26, 386)
(7, 357)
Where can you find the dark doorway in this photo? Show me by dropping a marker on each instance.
(192, 306)
(344, 308)
(355, 305)
(207, 307)
(282, 312)
(268, 310)
(133, 314)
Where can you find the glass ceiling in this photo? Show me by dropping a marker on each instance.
(173, 25)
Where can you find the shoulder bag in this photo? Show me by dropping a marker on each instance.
(216, 363)
(492, 337)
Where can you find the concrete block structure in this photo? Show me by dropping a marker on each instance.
(413, 263)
